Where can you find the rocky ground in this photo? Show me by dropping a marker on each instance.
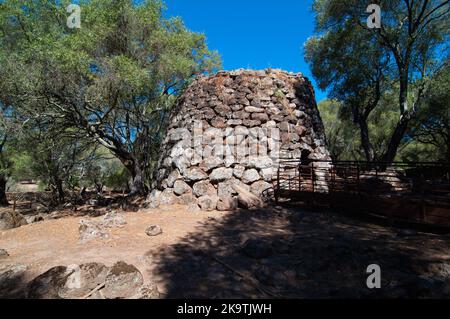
(171, 253)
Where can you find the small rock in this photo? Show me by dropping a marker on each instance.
(34, 219)
(252, 109)
(89, 230)
(113, 219)
(154, 230)
(122, 281)
(3, 253)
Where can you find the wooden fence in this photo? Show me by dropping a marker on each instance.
(417, 192)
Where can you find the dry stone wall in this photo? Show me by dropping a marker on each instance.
(227, 134)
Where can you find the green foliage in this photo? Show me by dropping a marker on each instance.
(117, 178)
(432, 126)
(381, 77)
(22, 167)
(113, 81)
(340, 132)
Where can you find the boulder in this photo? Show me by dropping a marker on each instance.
(226, 188)
(221, 174)
(82, 280)
(180, 188)
(49, 284)
(211, 163)
(195, 174)
(260, 162)
(227, 203)
(187, 199)
(267, 174)
(250, 176)
(246, 199)
(10, 219)
(203, 188)
(154, 230)
(153, 200)
(193, 208)
(173, 177)
(10, 279)
(168, 197)
(238, 171)
(208, 203)
(122, 281)
(259, 187)
(176, 135)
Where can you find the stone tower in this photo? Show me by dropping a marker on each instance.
(227, 134)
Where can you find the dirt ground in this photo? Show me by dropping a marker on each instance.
(279, 253)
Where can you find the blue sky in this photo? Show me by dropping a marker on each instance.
(255, 34)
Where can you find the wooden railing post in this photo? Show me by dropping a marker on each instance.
(358, 180)
(277, 191)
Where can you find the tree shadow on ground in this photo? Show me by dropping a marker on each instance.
(292, 253)
(12, 282)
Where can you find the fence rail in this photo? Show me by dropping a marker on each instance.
(417, 192)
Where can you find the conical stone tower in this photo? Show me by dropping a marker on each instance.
(229, 131)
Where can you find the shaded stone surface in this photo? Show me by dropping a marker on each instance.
(235, 125)
(10, 219)
(86, 281)
(122, 281)
(82, 280)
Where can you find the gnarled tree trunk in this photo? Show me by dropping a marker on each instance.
(137, 186)
(3, 199)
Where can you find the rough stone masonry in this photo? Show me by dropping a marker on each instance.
(226, 136)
